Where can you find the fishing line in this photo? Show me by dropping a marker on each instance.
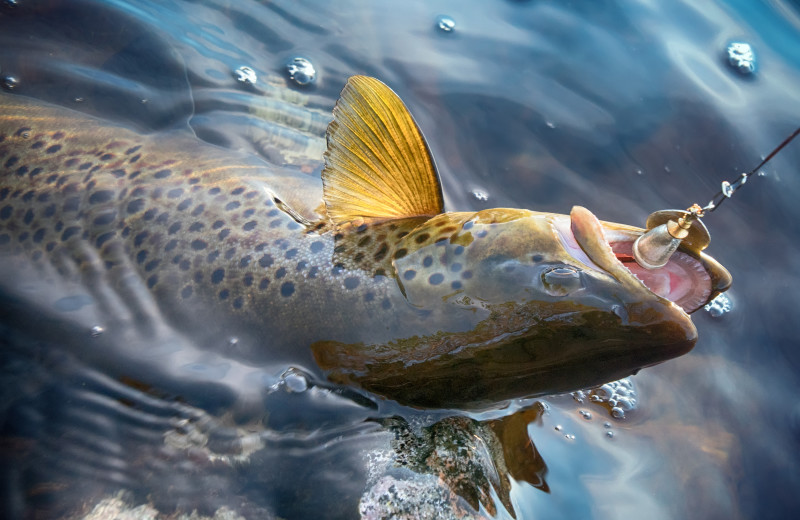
(667, 229)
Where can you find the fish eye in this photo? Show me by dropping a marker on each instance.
(561, 280)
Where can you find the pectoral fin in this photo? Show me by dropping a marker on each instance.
(378, 165)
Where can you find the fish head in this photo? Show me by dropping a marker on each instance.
(553, 305)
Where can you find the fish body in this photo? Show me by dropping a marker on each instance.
(359, 276)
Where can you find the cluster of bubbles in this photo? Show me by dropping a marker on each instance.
(480, 195)
(741, 57)
(718, 306)
(617, 396)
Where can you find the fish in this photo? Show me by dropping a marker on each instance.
(359, 275)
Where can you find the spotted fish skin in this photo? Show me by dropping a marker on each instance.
(359, 277)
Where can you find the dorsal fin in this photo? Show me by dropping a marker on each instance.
(378, 165)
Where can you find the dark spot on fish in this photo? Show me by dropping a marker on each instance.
(135, 206)
(436, 278)
(70, 232)
(196, 212)
(213, 255)
(223, 294)
(198, 244)
(467, 225)
(163, 218)
(317, 246)
(105, 237)
(427, 261)
(217, 224)
(59, 135)
(156, 193)
(198, 276)
(11, 161)
(184, 265)
(245, 261)
(37, 145)
(217, 276)
(386, 304)
(4, 193)
(455, 267)
(466, 275)
(174, 193)
(85, 166)
(196, 226)
(312, 273)
(106, 156)
(351, 282)
(263, 284)
(132, 149)
(248, 213)
(247, 280)
(456, 285)
(300, 266)
(402, 234)
(139, 238)
(238, 302)
(369, 296)
(214, 190)
(287, 289)
(381, 253)
(51, 178)
(150, 214)
(141, 256)
(537, 258)
(266, 260)
(379, 272)
(172, 244)
(341, 248)
(337, 269)
(249, 226)
(152, 281)
(230, 253)
(28, 218)
(409, 274)
(458, 250)
(400, 253)
(174, 228)
(4, 239)
(136, 173)
(162, 174)
(152, 264)
(59, 226)
(38, 236)
(237, 191)
(224, 233)
(232, 205)
(186, 292)
(274, 224)
(273, 213)
(482, 233)
(50, 246)
(184, 204)
(35, 172)
(359, 257)
(280, 273)
(118, 173)
(50, 210)
(22, 170)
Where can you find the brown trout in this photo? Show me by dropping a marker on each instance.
(359, 276)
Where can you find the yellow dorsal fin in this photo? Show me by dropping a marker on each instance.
(377, 166)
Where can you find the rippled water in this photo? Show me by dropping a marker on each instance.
(624, 108)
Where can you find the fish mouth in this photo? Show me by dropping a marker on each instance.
(690, 279)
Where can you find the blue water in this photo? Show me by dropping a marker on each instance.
(625, 108)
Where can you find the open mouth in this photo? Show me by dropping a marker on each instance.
(684, 280)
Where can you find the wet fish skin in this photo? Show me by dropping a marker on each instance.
(460, 310)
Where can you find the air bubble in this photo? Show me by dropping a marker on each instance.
(294, 381)
(741, 57)
(617, 413)
(10, 82)
(719, 306)
(609, 434)
(579, 396)
(586, 414)
(558, 428)
(606, 425)
(569, 437)
(245, 75)
(480, 195)
(550, 124)
(97, 330)
(301, 71)
(233, 341)
(445, 24)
